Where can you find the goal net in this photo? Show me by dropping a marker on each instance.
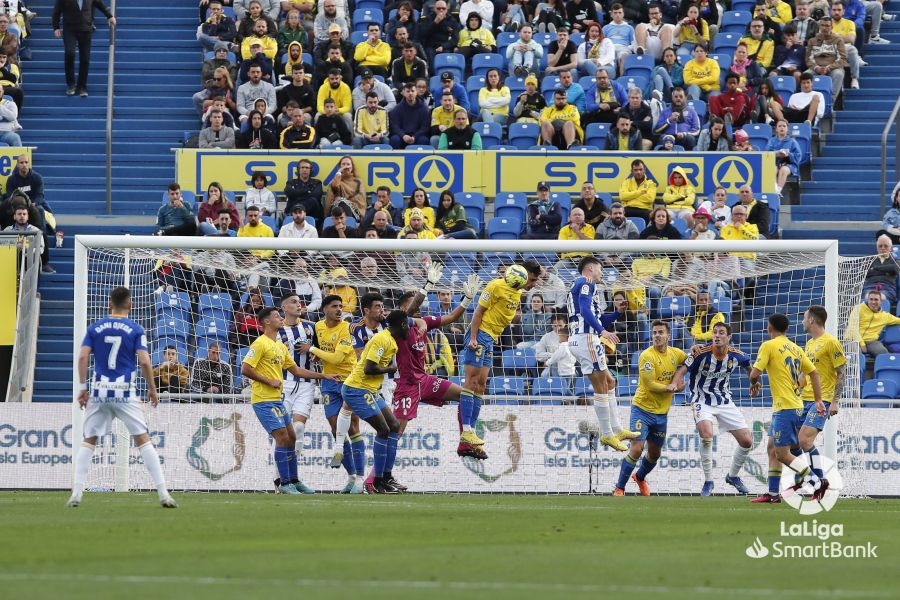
(196, 298)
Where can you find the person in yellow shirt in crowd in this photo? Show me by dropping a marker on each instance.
(779, 11)
(561, 122)
(268, 45)
(418, 226)
(691, 31)
(638, 191)
(254, 227)
(846, 30)
(335, 88)
(577, 229)
(701, 75)
(680, 195)
(740, 229)
(704, 318)
(865, 325)
(442, 116)
(374, 53)
(760, 46)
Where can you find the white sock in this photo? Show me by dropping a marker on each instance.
(151, 462)
(601, 407)
(777, 189)
(82, 466)
(613, 412)
(342, 427)
(737, 461)
(299, 428)
(801, 466)
(706, 458)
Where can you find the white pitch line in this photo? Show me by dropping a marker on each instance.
(495, 586)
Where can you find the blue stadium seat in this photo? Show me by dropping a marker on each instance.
(421, 147)
(173, 304)
(743, 5)
(212, 54)
(481, 63)
(358, 37)
(386, 147)
(671, 307)
(639, 64)
(595, 135)
(548, 86)
(822, 83)
(802, 134)
(886, 363)
(450, 61)
(699, 107)
(267, 298)
(473, 87)
(722, 304)
(524, 135)
(564, 199)
(363, 16)
(215, 305)
(473, 202)
(584, 149)
(507, 386)
(518, 360)
(681, 225)
(506, 39)
(882, 389)
(271, 222)
(784, 85)
(630, 81)
(370, 4)
(726, 42)
(238, 359)
(213, 327)
(891, 335)
(626, 387)
(759, 133)
(511, 204)
(583, 388)
(576, 37)
(504, 228)
(735, 21)
(516, 86)
(550, 386)
(172, 327)
(640, 223)
(490, 133)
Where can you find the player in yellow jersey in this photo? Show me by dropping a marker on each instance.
(335, 350)
(495, 311)
(788, 368)
(650, 407)
(264, 365)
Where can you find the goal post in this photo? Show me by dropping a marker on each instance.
(539, 423)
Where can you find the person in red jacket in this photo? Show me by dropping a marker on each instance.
(731, 105)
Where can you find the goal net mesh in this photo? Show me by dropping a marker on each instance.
(537, 419)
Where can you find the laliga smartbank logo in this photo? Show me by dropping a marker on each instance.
(811, 539)
(824, 502)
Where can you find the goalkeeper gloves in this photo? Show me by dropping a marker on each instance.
(470, 288)
(433, 276)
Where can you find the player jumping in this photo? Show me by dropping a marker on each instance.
(650, 407)
(709, 369)
(263, 364)
(119, 345)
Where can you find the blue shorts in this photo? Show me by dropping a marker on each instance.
(812, 418)
(785, 426)
(649, 426)
(332, 398)
(272, 415)
(365, 404)
(483, 354)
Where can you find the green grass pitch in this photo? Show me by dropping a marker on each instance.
(248, 546)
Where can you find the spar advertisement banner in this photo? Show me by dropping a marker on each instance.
(531, 449)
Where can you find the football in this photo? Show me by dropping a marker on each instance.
(516, 277)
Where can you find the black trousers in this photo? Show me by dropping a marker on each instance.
(81, 39)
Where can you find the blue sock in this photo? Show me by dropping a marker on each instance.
(815, 460)
(774, 482)
(359, 454)
(282, 463)
(292, 467)
(348, 458)
(625, 470)
(644, 469)
(393, 440)
(466, 406)
(476, 410)
(380, 451)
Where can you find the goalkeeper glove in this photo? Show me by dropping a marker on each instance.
(470, 288)
(433, 275)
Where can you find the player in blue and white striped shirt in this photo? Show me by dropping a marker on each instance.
(119, 345)
(709, 369)
(587, 326)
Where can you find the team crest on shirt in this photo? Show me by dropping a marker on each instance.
(689, 360)
(250, 354)
(648, 366)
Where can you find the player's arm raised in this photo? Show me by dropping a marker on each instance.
(251, 373)
(84, 358)
(470, 290)
(146, 366)
(433, 277)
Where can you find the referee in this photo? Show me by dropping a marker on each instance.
(78, 19)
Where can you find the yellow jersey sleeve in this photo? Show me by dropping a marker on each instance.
(827, 354)
(338, 340)
(659, 368)
(785, 364)
(500, 303)
(268, 357)
(381, 350)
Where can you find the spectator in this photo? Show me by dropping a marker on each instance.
(679, 196)
(259, 59)
(367, 84)
(513, 18)
(255, 228)
(535, 322)
(305, 286)
(731, 106)
(461, 136)
(742, 141)
(381, 226)
(574, 92)
(328, 22)
(710, 14)
(409, 67)
(248, 93)
(703, 318)
(175, 273)
(740, 229)
(411, 265)
(268, 121)
(268, 44)
(78, 29)
(494, 99)
(653, 35)
(679, 120)
(691, 31)
(562, 53)
(170, 375)
(483, 8)
(790, 59)
(347, 190)
(247, 19)
(806, 106)
(757, 211)
(373, 52)
(370, 124)
(543, 216)
(402, 18)
(246, 327)
(260, 196)
(340, 93)
(175, 218)
(637, 192)
(298, 227)
(417, 226)
(547, 351)
(624, 137)
(439, 34)
(211, 375)
(208, 213)
(865, 325)
(620, 33)
(561, 122)
(20, 224)
(850, 32)
(409, 121)
(299, 136)
(891, 223)
(760, 45)
(218, 28)
(474, 39)
(884, 272)
(305, 190)
(718, 208)
(552, 288)
(779, 11)
(603, 99)
(334, 59)
(806, 27)
(255, 136)
(524, 55)
(293, 60)
(216, 135)
(448, 83)
(701, 75)
(30, 187)
(530, 103)
(596, 52)
(667, 76)
(219, 59)
(220, 226)
(332, 126)
(577, 229)
(339, 278)
(768, 105)
(300, 92)
(714, 138)
(394, 215)
(750, 73)
(581, 14)
(442, 116)
(293, 29)
(267, 8)
(667, 143)
(219, 87)
(451, 219)
(400, 38)
(659, 226)
(641, 116)
(9, 124)
(787, 155)
(701, 230)
(594, 208)
(339, 227)
(633, 326)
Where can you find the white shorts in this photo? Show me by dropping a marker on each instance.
(387, 390)
(729, 416)
(298, 397)
(588, 351)
(99, 414)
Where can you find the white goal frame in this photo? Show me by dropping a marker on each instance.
(83, 243)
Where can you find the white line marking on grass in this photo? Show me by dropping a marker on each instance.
(557, 588)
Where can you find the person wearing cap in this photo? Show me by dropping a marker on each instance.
(530, 103)
(448, 82)
(561, 122)
(756, 211)
(320, 52)
(408, 67)
(298, 227)
(367, 84)
(638, 192)
(603, 99)
(666, 143)
(418, 226)
(461, 136)
(219, 59)
(409, 121)
(701, 229)
(370, 123)
(544, 216)
(826, 54)
(439, 33)
(338, 91)
(742, 141)
(268, 45)
(328, 22)
(442, 116)
(257, 58)
(524, 55)
(680, 195)
(217, 28)
(373, 52)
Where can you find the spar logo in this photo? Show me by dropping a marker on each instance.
(221, 433)
(497, 428)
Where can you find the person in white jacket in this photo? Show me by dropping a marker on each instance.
(524, 56)
(596, 52)
(9, 123)
(561, 361)
(260, 196)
